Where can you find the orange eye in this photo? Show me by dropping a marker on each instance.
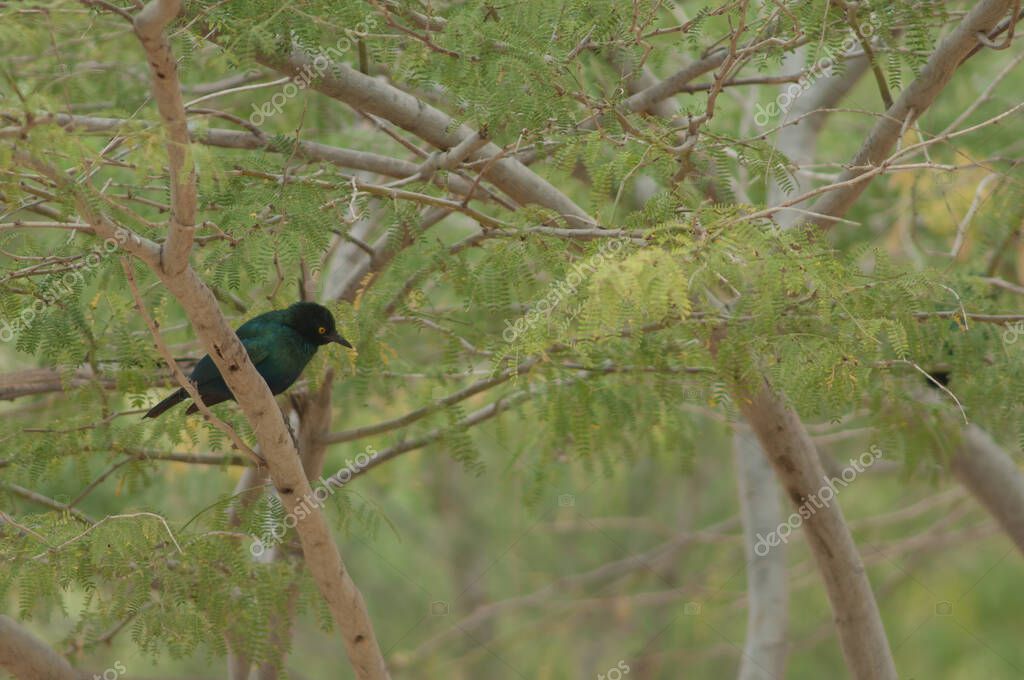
(322, 330)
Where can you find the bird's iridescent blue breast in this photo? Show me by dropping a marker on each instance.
(286, 360)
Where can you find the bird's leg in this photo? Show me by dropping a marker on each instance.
(291, 431)
(287, 413)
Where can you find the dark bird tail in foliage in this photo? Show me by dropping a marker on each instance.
(176, 397)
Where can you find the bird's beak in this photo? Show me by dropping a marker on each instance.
(336, 337)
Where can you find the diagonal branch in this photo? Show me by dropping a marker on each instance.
(799, 142)
(913, 102)
(26, 657)
(796, 463)
(276, 445)
(313, 410)
(376, 97)
(993, 478)
(424, 411)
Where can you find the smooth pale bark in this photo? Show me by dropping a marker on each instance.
(993, 478)
(26, 657)
(778, 428)
(654, 93)
(764, 651)
(257, 403)
(792, 454)
(254, 398)
(35, 381)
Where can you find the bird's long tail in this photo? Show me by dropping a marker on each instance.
(176, 397)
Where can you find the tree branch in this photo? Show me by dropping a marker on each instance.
(799, 142)
(248, 140)
(26, 657)
(314, 417)
(35, 381)
(764, 652)
(424, 411)
(251, 391)
(912, 102)
(149, 27)
(854, 610)
(374, 96)
(46, 502)
(993, 478)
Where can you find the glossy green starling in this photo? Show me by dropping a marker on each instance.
(279, 343)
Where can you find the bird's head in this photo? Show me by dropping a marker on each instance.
(315, 323)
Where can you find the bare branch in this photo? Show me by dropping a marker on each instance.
(142, 248)
(650, 96)
(36, 381)
(237, 139)
(251, 391)
(314, 417)
(475, 418)
(46, 502)
(424, 411)
(798, 143)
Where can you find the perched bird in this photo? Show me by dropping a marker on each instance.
(279, 343)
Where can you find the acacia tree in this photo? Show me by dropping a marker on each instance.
(612, 220)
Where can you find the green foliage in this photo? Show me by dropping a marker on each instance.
(615, 357)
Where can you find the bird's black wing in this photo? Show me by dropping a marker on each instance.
(207, 377)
